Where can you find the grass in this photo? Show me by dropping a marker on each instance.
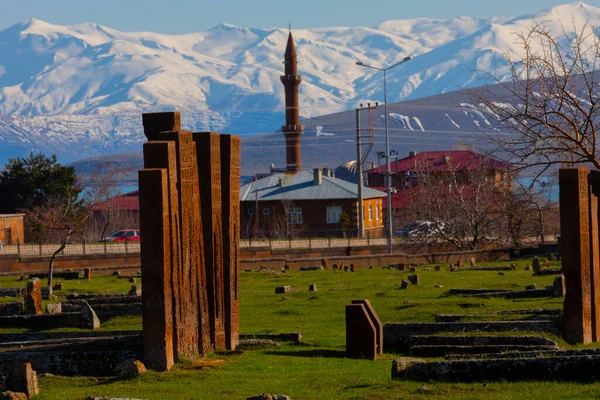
(317, 369)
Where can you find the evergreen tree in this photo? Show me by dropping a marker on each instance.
(35, 181)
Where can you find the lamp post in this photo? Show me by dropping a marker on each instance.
(387, 144)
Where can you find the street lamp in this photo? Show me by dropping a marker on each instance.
(387, 144)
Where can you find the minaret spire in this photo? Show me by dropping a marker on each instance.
(292, 128)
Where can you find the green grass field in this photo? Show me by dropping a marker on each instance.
(317, 369)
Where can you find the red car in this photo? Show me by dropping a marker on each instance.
(126, 235)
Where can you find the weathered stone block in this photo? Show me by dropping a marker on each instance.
(404, 284)
(414, 279)
(33, 298)
(361, 335)
(375, 321)
(312, 288)
(55, 308)
(283, 289)
(89, 319)
(87, 273)
(559, 287)
(23, 379)
(155, 123)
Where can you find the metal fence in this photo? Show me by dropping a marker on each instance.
(84, 248)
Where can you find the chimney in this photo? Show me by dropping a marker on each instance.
(412, 154)
(446, 158)
(326, 172)
(292, 128)
(318, 176)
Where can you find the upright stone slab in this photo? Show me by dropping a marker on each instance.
(575, 252)
(594, 196)
(33, 298)
(230, 197)
(375, 321)
(208, 155)
(23, 379)
(361, 335)
(87, 273)
(155, 245)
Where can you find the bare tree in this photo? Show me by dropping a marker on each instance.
(458, 207)
(64, 218)
(549, 100)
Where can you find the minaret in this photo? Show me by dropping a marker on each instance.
(292, 128)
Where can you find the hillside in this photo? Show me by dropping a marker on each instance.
(79, 91)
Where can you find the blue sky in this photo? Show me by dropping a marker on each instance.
(183, 16)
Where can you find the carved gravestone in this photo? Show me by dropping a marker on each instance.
(33, 298)
(473, 262)
(189, 212)
(404, 284)
(414, 279)
(558, 287)
(361, 334)
(87, 273)
(536, 264)
(23, 379)
(375, 321)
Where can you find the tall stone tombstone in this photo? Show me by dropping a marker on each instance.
(579, 252)
(33, 297)
(181, 220)
(230, 197)
(208, 153)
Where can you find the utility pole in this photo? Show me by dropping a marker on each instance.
(360, 158)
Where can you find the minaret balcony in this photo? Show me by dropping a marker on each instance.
(292, 128)
(291, 78)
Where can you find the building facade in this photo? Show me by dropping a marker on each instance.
(308, 204)
(12, 230)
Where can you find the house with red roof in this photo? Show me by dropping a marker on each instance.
(459, 166)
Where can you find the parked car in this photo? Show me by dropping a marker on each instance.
(421, 229)
(125, 235)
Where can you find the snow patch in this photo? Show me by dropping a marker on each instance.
(319, 132)
(451, 120)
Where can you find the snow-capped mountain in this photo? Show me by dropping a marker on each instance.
(80, 90)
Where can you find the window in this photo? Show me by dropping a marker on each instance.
(370, 212)
(294, 215)
(266, 211)
(376, 212)
(251, 211)
(333, 214)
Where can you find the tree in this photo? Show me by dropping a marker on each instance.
(64, 217)
(35, 181)
(463, 205)
(550, 101)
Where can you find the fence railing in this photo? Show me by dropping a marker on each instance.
(85, 248)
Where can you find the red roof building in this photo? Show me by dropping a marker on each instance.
(409, 172)
(126, 202)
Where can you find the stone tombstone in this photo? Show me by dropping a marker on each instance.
(55, 308)
(578, 197)
(404, 284)
(208, 156)
(402, 266)
(33, 298)
(89, 319)
(312, 288)
(460, 264)
(536, 264)
(335, 267)
(473, 262)
(352, 268)
(559, 287)
(135, 290)
(22, 378)
(87, 273)
(283, 289)
(361, 334)
(230, 147)
(437, 268)
(376, 322)
(414, 279)
(189, 203)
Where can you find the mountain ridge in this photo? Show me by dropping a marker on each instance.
(80, 90)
